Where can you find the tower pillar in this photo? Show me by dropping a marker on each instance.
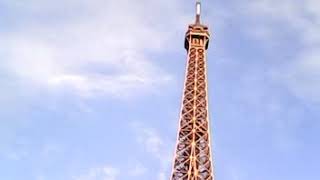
(193, 160)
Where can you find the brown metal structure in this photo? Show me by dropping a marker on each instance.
(193, 159)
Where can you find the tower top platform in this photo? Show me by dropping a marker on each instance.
(197, 30)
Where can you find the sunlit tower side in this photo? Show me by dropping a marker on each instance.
(193, 160)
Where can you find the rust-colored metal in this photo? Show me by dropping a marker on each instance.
(193, 160)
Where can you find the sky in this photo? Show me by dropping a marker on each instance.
(91, 90)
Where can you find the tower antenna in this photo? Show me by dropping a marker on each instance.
(198, 11)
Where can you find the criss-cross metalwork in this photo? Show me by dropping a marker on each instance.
(193, 159)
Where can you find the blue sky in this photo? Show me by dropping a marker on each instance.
(91, 90)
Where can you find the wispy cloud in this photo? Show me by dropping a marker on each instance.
(101, 49)
(22, 150)
(156, 145)
(300, 73)
(150, 139)
(137, 170)
(100, 173)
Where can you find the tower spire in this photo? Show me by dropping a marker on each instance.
(198, 11)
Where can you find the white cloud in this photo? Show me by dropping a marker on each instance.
(137, 170)
(162, 176)
(22, 150)
(154, 144)
(40, 177)
(17, 155)
(112, 173)
(300, 73)
(101, 173)
(149, 138)
(304, 75)
(94, 48)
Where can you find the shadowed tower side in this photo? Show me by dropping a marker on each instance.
(193, 159)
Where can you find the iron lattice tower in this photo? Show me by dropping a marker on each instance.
(193, 159)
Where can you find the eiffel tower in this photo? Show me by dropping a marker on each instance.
(193, 159)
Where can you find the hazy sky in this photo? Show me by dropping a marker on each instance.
(91, 90)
